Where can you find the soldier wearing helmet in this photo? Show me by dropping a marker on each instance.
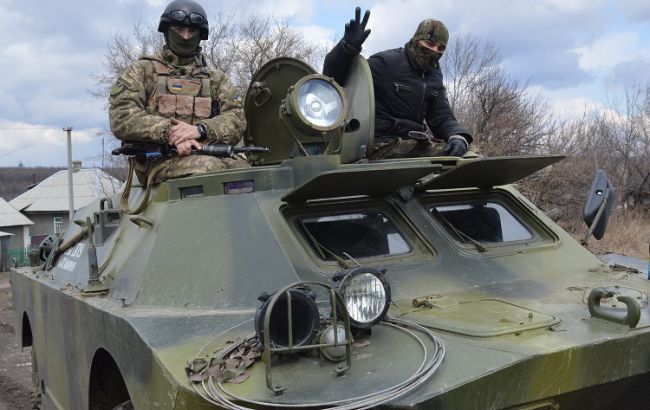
(173, 97)
(409, 94)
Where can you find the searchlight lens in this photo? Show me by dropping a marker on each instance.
(320, 103)
(367, 298)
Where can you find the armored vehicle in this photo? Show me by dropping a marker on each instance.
(319, 279)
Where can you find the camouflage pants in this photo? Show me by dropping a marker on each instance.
(177, 167)
(393, 147)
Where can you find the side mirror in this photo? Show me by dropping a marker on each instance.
(599, 205)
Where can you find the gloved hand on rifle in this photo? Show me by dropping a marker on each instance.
(355, 32)
(457, 146)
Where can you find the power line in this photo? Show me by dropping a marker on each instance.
(29, 128)
(17, 149)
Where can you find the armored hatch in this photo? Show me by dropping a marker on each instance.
(316, 115)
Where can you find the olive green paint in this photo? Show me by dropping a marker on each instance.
(513, 318)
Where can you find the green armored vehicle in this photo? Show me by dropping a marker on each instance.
(318, 279)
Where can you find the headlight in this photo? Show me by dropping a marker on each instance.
(366, 295)
(334, 337)
(316, 103)
(290, 324)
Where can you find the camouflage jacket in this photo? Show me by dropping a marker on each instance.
(134, 113)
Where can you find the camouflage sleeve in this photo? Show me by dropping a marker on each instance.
(227, 127)
(127, 113)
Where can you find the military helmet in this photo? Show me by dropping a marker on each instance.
(433, 30)
(186, 13)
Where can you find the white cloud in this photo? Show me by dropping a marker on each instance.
(13, 24)
(75, 111)
(609, 51)
(516, 25)
(576, 107)
(634, 9)
(322, 39)
(569, 104)
(158, 3)
(317, 34)
(52, 61)
(300, 10)
(40, 145)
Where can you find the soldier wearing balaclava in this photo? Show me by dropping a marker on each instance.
(412, 114)
(173, 97)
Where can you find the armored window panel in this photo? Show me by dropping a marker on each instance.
(495, 219)
(361, 234)
(485, 222)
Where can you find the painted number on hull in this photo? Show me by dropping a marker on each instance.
(73, 253)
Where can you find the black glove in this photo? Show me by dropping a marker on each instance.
(456, 146)
(355, 31)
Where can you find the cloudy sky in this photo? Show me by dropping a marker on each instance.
(575, 53)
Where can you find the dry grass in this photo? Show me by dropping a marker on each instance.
(627, 233)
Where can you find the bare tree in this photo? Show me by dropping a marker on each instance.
(121, 52)
(220, 48)
(467, 63)
(629, 138)
(238, 48)
(505, 117)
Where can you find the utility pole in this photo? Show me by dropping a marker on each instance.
(102, 153)
(68, 130)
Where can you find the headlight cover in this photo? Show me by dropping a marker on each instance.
(334, 335)
(318, 103)
(302, 317)
(367, 296)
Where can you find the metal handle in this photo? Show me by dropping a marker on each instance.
(633, 309)
(104, 201)
(261, 94)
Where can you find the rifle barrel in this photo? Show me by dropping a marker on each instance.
(215, 150)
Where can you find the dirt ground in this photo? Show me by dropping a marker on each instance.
(15, 363)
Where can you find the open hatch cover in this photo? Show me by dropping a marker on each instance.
(487, 172)
(368, 180)
(375, 181)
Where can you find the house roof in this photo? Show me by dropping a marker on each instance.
(51, 195)
(10, 216)
(5, 234)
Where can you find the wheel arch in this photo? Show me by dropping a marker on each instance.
(106, 387)
(26, 338)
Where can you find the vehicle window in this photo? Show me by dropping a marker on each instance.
(359, 234)
(486, 222)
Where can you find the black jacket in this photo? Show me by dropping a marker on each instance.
(405, 96)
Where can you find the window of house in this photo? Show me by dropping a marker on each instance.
(58, 224)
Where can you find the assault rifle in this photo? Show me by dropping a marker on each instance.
(148, 150)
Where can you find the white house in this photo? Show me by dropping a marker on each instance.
(47, 204)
